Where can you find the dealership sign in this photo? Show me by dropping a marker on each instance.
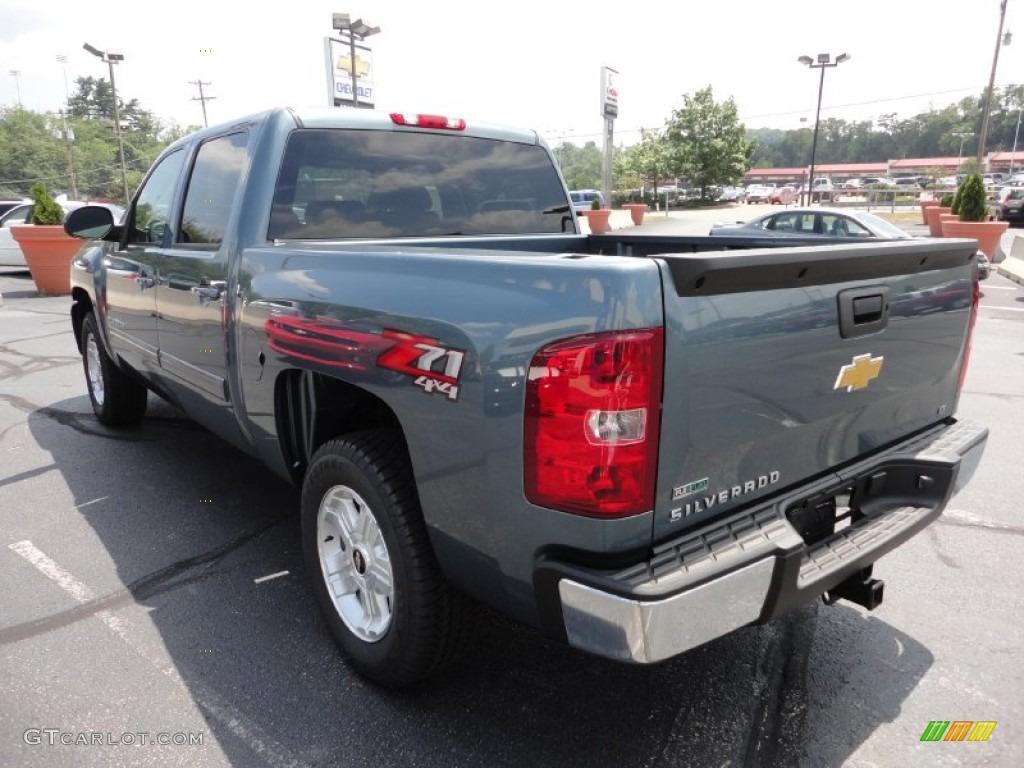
(341, 66)
(609, 93)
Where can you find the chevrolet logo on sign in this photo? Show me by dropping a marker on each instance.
(362, 66)
(859, 373)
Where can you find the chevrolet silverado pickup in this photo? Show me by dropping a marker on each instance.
(636, 444)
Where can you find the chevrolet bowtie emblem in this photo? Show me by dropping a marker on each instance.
(859, 373)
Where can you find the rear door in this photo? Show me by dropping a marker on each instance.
(781, 364)
(192, 297)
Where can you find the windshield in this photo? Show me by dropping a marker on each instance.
(341, 184)
(882, 227)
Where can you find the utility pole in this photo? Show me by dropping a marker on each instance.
(1001, 40)
(202, 98)
(68, 138)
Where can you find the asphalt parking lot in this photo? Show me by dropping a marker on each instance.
(155, 612)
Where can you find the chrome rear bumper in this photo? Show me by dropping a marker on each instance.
(755, 565)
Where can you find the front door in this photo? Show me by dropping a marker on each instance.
(130, 267)
(192, 295)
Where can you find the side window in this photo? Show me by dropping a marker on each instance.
(853, 229)
(153, 204)
(212, 188)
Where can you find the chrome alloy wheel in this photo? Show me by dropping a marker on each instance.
(94, 369)
(355, 563)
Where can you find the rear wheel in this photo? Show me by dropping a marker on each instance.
(117, 399)
(371, 567)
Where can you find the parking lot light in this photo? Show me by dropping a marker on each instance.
(824, 62)
(110, 57)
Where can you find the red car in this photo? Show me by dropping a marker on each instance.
(783, 196)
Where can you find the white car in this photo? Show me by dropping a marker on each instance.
(759, 193)
(10, 251)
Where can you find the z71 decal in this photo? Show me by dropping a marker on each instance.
(435, 368)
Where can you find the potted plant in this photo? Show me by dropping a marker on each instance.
(597, 217)
(932, 215)
(636, 212)
(973, 219)
(48, 249)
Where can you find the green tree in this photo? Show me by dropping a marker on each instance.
(29, 152)
(648, 161)
(708, 143)
(32, 147)
(581, 166)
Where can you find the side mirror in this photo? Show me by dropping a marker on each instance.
(90, 222)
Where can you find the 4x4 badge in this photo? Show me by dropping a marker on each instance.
(859, 373)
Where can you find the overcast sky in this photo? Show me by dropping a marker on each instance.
(528, 63)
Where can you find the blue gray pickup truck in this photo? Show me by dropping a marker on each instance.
(635, 444)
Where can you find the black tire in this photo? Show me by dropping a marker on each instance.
(117, 399)
(430, 622)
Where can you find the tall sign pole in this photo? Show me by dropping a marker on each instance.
(609, 111)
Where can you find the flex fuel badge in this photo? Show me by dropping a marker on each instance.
(689, 489)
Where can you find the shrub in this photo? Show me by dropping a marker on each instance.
(957, 198)
(595, 204)
(46, 210)
(946, 201)
(973, 199)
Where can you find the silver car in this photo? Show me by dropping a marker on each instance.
(813, 222)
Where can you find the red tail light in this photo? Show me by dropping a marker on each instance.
(439, 122)
(975, 300)
(593, 412)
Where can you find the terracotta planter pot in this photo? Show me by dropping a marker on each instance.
(636, 211)
(987, 233)
(931, 217)
(943, 218)
(598, 221)
(925, 204)
(48, 253)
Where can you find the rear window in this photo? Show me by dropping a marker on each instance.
(340, 183)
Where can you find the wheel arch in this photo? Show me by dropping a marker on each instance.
(312, 408)
(80, 307)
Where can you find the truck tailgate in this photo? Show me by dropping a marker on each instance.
(782, 364)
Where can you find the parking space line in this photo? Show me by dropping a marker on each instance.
(270, 576)
(94, 501)
(1002, 309)
(275, 754)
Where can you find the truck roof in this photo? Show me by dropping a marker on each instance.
(370, 119)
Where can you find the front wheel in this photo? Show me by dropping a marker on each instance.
(371, 567)
(117, 399)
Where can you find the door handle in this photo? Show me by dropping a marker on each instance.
(863, 311)
(211, 292)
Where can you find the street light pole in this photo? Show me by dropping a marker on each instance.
(1000, 40)
(68, 135)
(960, 154)
(16, 73)
(824, 61)
(110, 58)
